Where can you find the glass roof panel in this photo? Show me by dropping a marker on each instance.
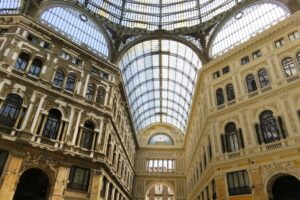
(76, 26)
(159, 77)
(245, 24)
(158, 14)
(10, 6)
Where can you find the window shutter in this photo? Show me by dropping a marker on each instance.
(257, 134)
(241, 139)
(223, 143)
(281, 125)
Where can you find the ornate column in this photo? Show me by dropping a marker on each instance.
(38, 110)
(28, 113)
(76, 128)
(11, 178)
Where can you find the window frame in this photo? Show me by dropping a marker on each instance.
(238, 183)
(79, 186)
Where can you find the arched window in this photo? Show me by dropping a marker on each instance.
(70, 83)
(231, 137)
(10, 110)
(245, 24)
(109, 146)
(87, 135)
(269, 127)
(161, 139)
(22, 62)
(230, 92)
(59, 78)
(90, 91)
(298, 57)
(220, 96)
(103, 187)
(263, 78)
(289, 67)
(52, 124)
(10, 6)
(36, 67)
(76, 26)
(101, 95)
(251, 83)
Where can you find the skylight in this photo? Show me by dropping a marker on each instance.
(245, 24)
(159, 77)
(10, 6)
(76, 26)
(158, 14)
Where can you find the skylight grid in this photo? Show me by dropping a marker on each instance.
(252, 20)
(158, 14)
(10, 6)
(159, 77)
(76, 26)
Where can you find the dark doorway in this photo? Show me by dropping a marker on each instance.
(286, 188)
(33, 185)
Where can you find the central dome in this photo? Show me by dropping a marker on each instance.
(158, 14)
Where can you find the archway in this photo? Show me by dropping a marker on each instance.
(33, 185)
(285, 187)
(160, 191)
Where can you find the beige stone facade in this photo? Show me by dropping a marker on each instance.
(95, 139)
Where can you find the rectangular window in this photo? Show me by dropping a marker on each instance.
(45, 45)
(226, 70)
(79, 178)
(279, 43)
(160, 166)
(3, 158)
(216, 75)
(76, 61)
(33, 39)
(65, 55)
(293, 36)
(256, 54)
(94, 71)
(245, 60)
(238, 183)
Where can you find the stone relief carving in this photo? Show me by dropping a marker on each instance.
(41, 160)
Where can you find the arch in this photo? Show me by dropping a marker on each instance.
(101, 93)
(59, 78)
(269, 127)
(283, 186)
(52, 124)
(289, 66)
(263, 78)
(71, 82)
(33, 184)
(22, 61)
(10, 110)
(298, 57)
(169, 69)
(87, 135)
(11, 7)
(251, 83)
(246, 23)
(77, 26)
(90, 91)
(230, 92)
(36, 67)
(159, 182)
(220, 96)
(161, 139)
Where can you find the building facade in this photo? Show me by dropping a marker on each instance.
(88, 112)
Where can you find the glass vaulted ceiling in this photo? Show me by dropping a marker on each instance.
(159, 77)
(156, 14)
